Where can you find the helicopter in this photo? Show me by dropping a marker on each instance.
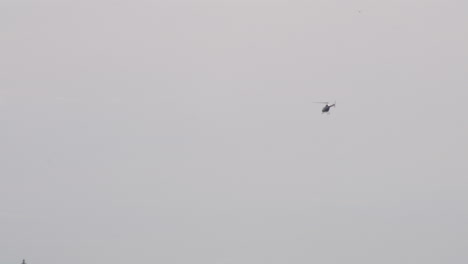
(327, 107)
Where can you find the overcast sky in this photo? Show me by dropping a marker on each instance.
(184, 132)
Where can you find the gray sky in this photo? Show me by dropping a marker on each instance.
(183, 132)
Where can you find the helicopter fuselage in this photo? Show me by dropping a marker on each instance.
(326, 108)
